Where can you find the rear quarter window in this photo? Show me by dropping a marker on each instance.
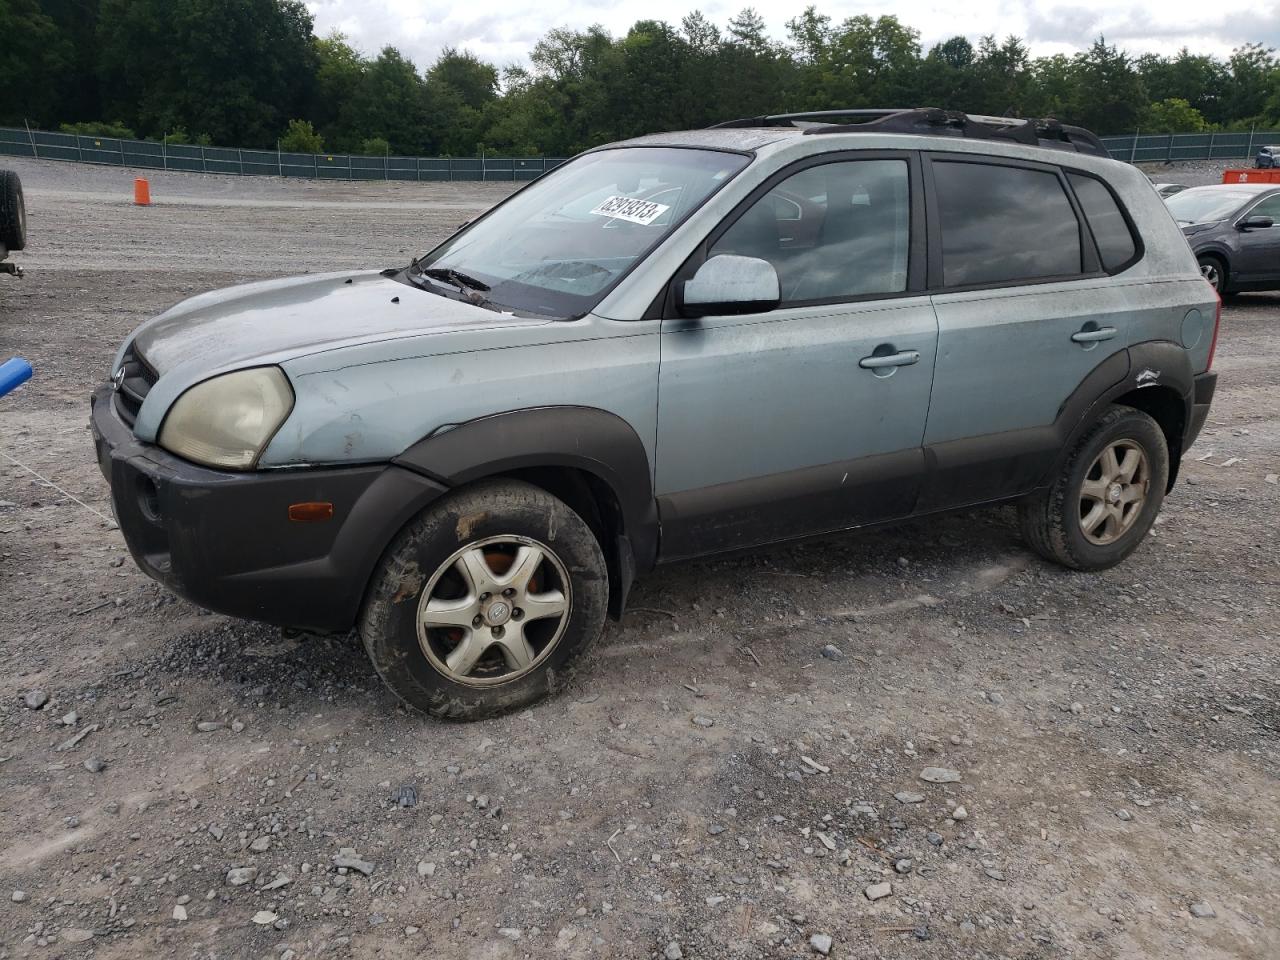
(1004, 224)
(1111, 231)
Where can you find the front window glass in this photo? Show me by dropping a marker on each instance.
(1269, 207)
(561, 243)
(1206, 204)
(834, 231)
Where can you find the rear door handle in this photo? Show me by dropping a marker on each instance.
(903, 359)
(1093, 336)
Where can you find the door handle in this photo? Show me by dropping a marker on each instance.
(903, 359)
(1093, 336)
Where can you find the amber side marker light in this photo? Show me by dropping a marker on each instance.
(310, 512)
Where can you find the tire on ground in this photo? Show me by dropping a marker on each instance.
(13, 217)
(1220, 271)
(1051, 519)
(494, 508)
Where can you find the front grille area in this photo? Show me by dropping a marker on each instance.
(138, 380)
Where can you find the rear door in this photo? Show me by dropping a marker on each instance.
(1026, 312)
(809, 417)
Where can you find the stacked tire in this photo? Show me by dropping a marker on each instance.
(13, 213)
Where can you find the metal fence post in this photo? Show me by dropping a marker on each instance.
(1133, 151)
(35, 151)
(1169, 158)
(164, 150)
(279, 162)
(1248, 151)
(204, 166)
(315, 166)
(1211, 136)
(240, 156)
(121, 143)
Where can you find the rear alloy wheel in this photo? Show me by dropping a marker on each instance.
(1106, 497)
(484, 600)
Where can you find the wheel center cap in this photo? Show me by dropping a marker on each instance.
(1114, 492)
(497, 613)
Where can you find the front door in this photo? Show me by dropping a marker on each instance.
(1259, 259)
(810, 417)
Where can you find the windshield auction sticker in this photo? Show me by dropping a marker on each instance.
(633, 211)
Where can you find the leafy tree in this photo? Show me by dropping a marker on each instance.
(375, 147)
(36, 62)
(1173, 115)
(301, 137)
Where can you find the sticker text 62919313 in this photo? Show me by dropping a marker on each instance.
(631, 210)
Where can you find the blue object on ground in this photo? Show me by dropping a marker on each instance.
(13, 373)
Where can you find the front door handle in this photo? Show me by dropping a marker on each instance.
(1093, 336)
(903, 359)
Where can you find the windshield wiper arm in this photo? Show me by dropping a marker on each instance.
(457, 278)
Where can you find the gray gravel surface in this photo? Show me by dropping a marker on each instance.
(247, 797)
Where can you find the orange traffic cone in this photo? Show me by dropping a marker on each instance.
(141, 192)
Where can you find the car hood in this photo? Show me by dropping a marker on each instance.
(276, 320)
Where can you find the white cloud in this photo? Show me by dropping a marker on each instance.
(504, 32)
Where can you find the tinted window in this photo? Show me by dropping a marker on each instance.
(834, 231)
(1110, 231)
(1004, 224)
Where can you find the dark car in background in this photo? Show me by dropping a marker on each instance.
(1268, 157)
(1234, 231)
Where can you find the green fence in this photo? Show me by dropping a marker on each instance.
(1140, 147)
(149, 155)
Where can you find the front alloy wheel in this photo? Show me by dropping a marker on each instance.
(1211, 270)
(494, 610)
(485, 599)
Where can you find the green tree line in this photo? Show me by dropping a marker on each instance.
(253, 72)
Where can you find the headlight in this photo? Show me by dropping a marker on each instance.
(228, 421)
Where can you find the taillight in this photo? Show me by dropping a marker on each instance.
(1217, 322)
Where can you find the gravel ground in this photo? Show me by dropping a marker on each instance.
(736, 772)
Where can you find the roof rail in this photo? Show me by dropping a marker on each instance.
(789, 119)
(932, 122)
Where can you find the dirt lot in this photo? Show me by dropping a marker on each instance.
(1115, 735)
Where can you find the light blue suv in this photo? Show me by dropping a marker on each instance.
(667, 348)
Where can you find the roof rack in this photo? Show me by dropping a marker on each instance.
(933, 122)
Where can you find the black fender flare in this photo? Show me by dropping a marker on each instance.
(1155, 365)
(582, 438)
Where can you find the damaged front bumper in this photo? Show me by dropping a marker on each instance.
(224, 540)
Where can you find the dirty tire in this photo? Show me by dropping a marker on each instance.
(13, 215)
(489, 509)
(1050, 519)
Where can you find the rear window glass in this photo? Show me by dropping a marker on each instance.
(1004, 224)
(1111, 232)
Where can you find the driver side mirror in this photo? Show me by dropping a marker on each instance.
(729, 284)
(1255, 223)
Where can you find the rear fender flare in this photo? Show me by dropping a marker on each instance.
(1153, 365)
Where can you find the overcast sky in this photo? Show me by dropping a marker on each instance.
(503, 31)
